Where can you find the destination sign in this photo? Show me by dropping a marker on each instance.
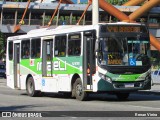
(75, 37)
(123, 29)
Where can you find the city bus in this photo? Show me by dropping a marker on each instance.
(77, 60)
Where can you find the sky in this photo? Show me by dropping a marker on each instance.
(75, 1)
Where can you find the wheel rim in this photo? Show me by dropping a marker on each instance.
(79, 90)
(30, 87)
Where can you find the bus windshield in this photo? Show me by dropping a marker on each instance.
(124, 50)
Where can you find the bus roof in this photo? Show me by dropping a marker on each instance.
(62, 30)
(51, 31)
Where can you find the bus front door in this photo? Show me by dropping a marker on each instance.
(16, 65)
(89, 64)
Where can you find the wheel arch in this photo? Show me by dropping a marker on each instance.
(29, 75)
(30, 86)
(74, 77)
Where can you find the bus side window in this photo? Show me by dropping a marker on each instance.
(25, 49)
(74, 44)
(10, 49)
(60, 46)
(35, 48)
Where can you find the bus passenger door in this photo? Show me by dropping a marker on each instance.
(16, 65)
(47, 56)
(89, 61)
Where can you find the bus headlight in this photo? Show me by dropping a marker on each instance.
(104, 77)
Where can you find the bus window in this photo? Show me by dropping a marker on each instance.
(60, 46)
(49, 46)
(74, 45)
(25, 49)
(10, 49)
(35, 48)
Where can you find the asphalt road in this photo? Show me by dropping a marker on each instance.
(140, 104)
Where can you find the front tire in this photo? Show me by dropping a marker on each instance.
(80, 94)
(30, 87)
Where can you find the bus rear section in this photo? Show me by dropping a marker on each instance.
(22, 61)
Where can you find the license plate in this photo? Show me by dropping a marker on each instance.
(129, 85)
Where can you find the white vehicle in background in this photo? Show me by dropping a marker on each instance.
(156, 76)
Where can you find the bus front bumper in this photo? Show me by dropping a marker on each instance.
(104, 85)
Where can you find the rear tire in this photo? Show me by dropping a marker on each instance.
(80, 94)
(30, 88)
(122, 96)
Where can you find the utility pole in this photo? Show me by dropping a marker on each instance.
(95, 12)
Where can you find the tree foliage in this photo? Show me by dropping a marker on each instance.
(2, 46)
(116, 2)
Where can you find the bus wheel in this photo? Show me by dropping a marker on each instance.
(30, 87)
(122, 96)
(79, 93)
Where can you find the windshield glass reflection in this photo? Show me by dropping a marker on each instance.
(124, 51)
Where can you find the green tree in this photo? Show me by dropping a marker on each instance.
(2, 46)
(116, 2)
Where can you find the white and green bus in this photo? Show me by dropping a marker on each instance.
(78, 60)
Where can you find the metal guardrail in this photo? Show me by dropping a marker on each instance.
(40, 22)
(62, 22)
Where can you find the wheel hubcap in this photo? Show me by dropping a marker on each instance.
(30, 87)
(79, 90)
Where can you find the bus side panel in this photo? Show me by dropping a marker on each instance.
(10, 76)
(49, 84)
(24, 71)
(68, 66)
(37, 81)
(36, 71)
(64, 83)
(30, 67)
(9, 65)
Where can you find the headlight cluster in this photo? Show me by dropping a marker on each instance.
(104, 77)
